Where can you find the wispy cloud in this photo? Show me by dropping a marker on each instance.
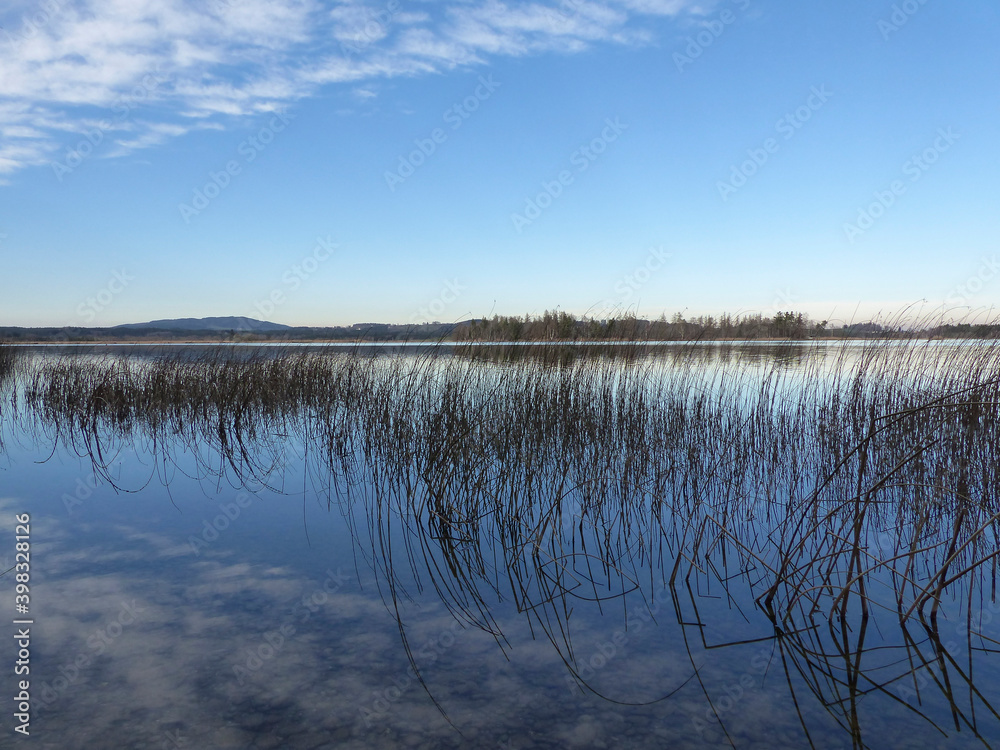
(67, 63)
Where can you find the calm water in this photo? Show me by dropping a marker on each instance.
(179, 602)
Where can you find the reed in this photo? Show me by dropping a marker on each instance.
(838, 482)
(8, 356)
(886, 437)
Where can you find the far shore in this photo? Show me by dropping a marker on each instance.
(453, 342)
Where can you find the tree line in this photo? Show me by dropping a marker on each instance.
(560, 326)
(551, 325)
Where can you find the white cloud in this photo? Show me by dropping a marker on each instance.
(160, 68)
(153, 135)
(667, 7)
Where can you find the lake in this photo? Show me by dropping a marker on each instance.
(749, 545)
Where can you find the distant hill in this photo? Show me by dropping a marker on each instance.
(209, 324)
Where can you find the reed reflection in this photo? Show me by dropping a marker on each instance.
(841, 502)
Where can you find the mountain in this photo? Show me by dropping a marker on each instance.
(209, 324)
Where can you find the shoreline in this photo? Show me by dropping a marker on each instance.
(437, 342)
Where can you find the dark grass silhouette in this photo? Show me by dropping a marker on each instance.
(833, 487)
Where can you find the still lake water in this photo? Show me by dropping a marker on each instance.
(179, 602)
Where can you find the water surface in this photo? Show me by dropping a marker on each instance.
(507, 550)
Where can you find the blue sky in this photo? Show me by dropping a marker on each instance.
(320, 163)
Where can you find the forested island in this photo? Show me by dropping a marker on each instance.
(552, 326)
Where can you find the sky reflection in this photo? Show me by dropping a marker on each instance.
(182, 608)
